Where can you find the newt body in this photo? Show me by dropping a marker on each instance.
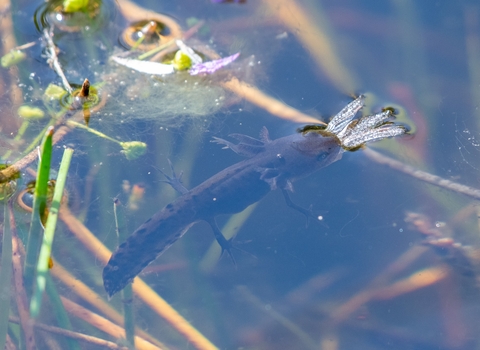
(270, 165)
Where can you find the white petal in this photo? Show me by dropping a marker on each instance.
(147, 67)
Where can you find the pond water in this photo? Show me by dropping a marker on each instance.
(393, 262)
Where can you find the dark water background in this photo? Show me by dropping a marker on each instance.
(422, 57)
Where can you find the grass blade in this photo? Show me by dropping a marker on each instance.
(39, 206)
(127, 292)
(5, 276)
(46, 249)
(60, 312)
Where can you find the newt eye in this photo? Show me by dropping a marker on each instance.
(322, 156)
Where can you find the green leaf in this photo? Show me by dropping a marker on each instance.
(12, 58)
(70, 6)
(46, 249)
(28, 112)
(54, 92)
(133, 149)
(39, 210)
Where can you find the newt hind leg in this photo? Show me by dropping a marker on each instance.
(226, 244)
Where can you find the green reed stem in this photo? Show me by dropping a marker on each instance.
(38, 138)
(138, 43)
(5, 276)
(60, 312)
(21, 130)
(20, 133)
(74, 124)
(46, 249)
(131, 149)
(155, 50)
(38, 212)
(127, 293)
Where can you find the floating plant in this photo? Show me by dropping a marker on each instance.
(185, 59)
(72, 15)
(29, 112)
(12, 58)
(131, 149)
(148, 34)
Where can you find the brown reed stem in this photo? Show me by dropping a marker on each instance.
(103, 324)
(73, 335)
(422, 175)
(18, 251)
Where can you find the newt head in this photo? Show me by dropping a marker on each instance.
(309, 152)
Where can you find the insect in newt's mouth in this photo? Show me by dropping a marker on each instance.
(270, 164)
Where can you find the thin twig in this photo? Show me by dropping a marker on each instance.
(270, 104)
(103, 324)
(423, 175)
(26, 46)
(53, 58)
(73, 335)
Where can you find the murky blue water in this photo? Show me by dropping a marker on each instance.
(360, 278)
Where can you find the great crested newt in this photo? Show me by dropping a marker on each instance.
(271, 164)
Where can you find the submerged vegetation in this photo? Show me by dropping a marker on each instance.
(109, 94)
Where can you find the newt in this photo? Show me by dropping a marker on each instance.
(270, 165)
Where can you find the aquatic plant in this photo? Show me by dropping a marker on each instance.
(184, 59)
